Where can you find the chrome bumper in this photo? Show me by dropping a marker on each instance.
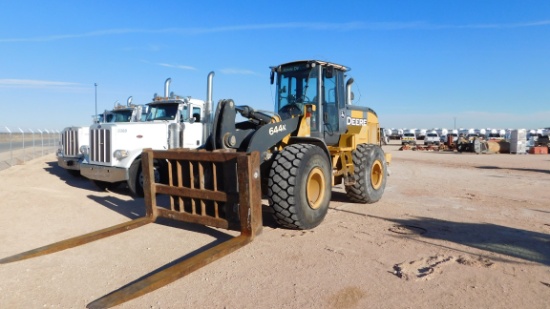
(69, 163)
(103, 173)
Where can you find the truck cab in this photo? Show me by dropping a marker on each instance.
(172, 121)
(74, 140)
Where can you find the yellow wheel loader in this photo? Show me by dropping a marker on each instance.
(315, 139)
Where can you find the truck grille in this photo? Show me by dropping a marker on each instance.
(69, 140)
(100, 147)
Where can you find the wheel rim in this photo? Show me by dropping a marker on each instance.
(315, 191)
(376, 175)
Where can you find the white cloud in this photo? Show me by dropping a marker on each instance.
(291, 25)
(29, 83)
(177, 66)
(237, 72)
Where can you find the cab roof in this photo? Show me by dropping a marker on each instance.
(319, 62)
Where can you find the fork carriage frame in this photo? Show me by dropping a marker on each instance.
(213, 188)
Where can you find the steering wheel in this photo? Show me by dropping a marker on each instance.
(302, 99)
(290, 110)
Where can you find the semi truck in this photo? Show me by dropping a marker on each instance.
(172, 121)
(75, 139)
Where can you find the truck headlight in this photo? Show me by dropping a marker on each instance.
(85, 150)
(120, 154)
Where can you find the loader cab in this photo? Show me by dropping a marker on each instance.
(312, 82)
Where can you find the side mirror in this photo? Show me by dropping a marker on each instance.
(272, 77)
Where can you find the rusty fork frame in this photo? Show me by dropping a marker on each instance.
(219, 189)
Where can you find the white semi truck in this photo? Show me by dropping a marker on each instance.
(172, 122)
(74, 139)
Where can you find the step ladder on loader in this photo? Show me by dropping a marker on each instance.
(213, 188)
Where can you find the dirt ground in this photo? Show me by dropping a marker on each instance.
(451, 231)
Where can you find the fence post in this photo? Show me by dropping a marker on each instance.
(42, 140)
(11, 150)
(24, 152)
(33, 150)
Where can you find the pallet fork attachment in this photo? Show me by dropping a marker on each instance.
(219, 189)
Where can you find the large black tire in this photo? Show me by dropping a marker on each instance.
(299, 186)
(370, 174)
(136, 178)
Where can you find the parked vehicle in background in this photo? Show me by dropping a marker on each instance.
(396, 133)
(385, 136)
(431, 138)
(409, 138)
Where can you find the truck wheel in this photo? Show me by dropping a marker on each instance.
(136, 178)
(369, 164)
(299, 186)
(104, 185)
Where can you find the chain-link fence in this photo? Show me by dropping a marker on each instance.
(18, 145)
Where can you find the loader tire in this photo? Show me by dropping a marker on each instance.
(370, 174)
(136, 178)
(299, 186)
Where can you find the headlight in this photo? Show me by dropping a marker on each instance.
(85, 150)
(120, 154)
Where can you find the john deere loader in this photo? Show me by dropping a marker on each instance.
(315, 139)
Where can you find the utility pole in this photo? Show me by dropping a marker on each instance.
(95, 87)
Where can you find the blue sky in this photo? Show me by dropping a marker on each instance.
(423, 64)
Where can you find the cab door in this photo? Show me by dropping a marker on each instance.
(332, 100)
(193, 127)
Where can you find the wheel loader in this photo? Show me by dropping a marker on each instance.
(314, 139)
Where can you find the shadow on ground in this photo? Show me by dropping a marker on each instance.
(74, 179)
(526, 245)
(515, 169)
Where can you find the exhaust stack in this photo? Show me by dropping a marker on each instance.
(208, 106)
(167, 87)
(349, 94)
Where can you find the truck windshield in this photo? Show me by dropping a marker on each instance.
(121, 116)
(108, 117)
(296, 86)
(162, 112)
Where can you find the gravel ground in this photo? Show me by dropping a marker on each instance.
(451, 231)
